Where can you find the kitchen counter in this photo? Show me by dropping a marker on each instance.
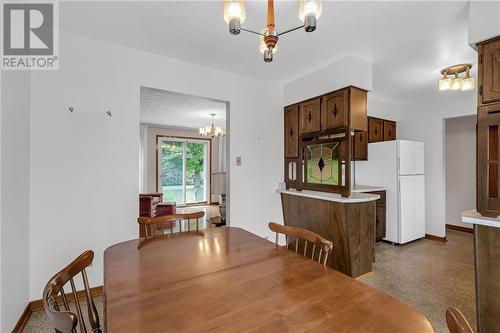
(355, 197)
(472, 216)
(349, 222)
(365, 189)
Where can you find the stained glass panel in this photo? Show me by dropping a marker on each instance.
(322, 163)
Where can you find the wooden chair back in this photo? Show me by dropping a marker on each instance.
(153, 223)
(324, 246)
(65, 320)
(456, 321)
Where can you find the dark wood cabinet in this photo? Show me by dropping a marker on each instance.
(488, 124)
(327, 118)
(310, 116)
(389, 130)
(381, 130)
(360, 146)
(334, 113)
(292, 131)
(375, 129)
(489, 71)
(380, 216)
(380, 223)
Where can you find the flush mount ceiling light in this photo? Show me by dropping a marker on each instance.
(212, 131)
(235, 15)
(456, 82)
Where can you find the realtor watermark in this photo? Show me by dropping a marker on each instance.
(30, 36)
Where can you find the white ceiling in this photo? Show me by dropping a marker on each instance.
(407, 42)
(167, 108)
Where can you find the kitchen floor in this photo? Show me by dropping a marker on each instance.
(430, 275)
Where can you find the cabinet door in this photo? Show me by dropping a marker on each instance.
(309, 116)
(334, 110)
(292, 131)
(380, 223)
(389, 130)
(360, 146)
(488, 125)
(491, 71)
(375, 130)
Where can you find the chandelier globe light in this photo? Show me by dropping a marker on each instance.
(456, 82)
(234, 13)
(212, 131)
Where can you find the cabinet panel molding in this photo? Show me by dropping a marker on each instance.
(310, 116)
(292, 131)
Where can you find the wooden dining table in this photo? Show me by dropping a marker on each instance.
(230, 280)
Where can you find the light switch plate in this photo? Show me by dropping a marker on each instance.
(238, 160)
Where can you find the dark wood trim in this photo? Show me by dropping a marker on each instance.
(459, 228)
(37, 305)
(209, 199)
(436, 238)
(21, 323)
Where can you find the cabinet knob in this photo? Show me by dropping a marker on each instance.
(291, 131)
(309, 117)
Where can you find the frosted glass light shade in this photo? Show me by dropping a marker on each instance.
(444, 84)
(307, 7)
(262, 45)
(234, 9)
(468, 83)
(456, 83)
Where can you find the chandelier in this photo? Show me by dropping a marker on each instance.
(457, 83)
(212, 131)
(235, 15)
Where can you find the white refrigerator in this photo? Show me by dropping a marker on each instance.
(399, 167)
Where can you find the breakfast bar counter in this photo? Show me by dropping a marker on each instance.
(349, 222)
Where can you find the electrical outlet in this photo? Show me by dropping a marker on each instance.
(238, 160)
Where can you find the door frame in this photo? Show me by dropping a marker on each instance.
(209, 165)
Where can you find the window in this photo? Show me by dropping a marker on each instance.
(183, 170)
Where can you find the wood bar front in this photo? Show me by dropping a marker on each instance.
(350, 226)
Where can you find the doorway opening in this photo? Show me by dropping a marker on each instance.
(183, 167)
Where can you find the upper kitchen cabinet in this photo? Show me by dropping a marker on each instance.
(334, 110)
(381, 130)
(310, 116)
(292, 131)
(342, 108)
(489, 71)
(375, 129)
(389, 130)
(358, 109)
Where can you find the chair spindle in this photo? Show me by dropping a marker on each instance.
(79, 313)
(91, 308)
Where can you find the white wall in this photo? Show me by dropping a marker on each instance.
(15, 200)
(460, 166)
(484, 20)
(349, 71)
(381, 108)
(85, 165)
(424, 121)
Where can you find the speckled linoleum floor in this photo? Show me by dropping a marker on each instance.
(428, 274)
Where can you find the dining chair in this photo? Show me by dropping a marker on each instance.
(159, 222)
(456, 321)
(66, 321)
(325, 246)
